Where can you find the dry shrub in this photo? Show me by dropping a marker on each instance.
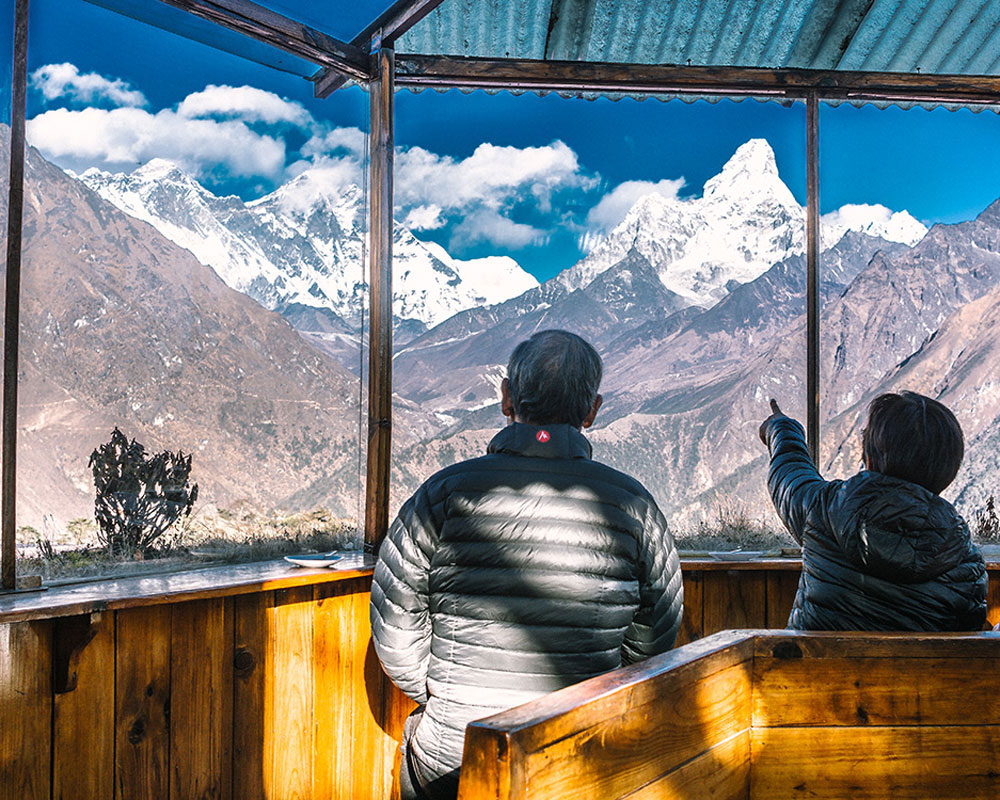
(986, 524)
(733, 527)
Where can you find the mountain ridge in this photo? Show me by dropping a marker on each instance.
(304, 244)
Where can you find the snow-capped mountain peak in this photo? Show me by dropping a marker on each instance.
(496, 278)
(751, 172)
(746, 221)
(158, 169)
(303, 244)
(312, 194)
(873, 220)
(312, 190)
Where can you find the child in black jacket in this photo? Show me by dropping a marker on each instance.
(881, 550)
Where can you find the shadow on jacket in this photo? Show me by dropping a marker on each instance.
(878, 553)
(515, 574)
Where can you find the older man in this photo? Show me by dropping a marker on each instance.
(520, 572)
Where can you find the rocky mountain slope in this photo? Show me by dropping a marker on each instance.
(697, 306)
(745, 222)
(889, 329)
(123, 327)
(685, 390)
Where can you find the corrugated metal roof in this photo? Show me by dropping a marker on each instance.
(927, 36)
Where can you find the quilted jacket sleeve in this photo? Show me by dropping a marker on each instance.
(661, 593)
(400, 615)
(793, 480)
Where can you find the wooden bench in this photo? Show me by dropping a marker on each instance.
(759, 714)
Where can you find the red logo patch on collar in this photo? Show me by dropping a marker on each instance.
(543, 436)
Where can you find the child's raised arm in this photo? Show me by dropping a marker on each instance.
(793, 480)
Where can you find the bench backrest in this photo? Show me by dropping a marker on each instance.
(759, 714)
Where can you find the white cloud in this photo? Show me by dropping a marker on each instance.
(226, 132)
(488, 226)
(478, 192)
(857, 216)
(475, 193)
(65, 80)
(123, 138)
(875, 220)
(612, 208)
(245, 103)
(339, 140)
(424, 218)
(490, 177)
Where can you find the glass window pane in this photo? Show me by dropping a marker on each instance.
(670, 235)
(194, 278)
(911, 306)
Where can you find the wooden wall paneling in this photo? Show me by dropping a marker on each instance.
(374, 776)
(397, 708)
(339, 689)
(722, 773)
(669, 720)
(288, 714)
(201, 718)
(875, 691)
(734, 599)
(859, 763)
(993, 598)
(359, 712)
(250, 676)
(25, 710)
(692, 623)
(781, 588)
(83, 735)
(142, 703)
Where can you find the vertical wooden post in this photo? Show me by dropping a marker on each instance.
(380, 299)
(812, 276)
(8, 473)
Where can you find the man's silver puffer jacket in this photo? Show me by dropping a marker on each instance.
(516, 574)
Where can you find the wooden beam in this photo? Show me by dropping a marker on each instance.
(388, 26)
(12, 302)
(396, 20)
(286, 34)
(812, 277)
(584, 77)
(380, 301)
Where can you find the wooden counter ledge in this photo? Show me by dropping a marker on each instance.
(168, 587)
(234, 579)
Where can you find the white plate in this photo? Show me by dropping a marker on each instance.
(315, 560)
(737, 555)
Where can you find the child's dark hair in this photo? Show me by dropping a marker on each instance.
(915, 438)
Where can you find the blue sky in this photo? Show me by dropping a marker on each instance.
(527, 176)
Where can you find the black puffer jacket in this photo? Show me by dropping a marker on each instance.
(516, 574)
(878, 553)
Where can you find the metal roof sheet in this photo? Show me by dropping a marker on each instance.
(927, 36)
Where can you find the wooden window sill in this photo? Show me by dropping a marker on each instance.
(170, 587)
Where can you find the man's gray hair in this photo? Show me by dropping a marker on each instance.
(553, 378)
